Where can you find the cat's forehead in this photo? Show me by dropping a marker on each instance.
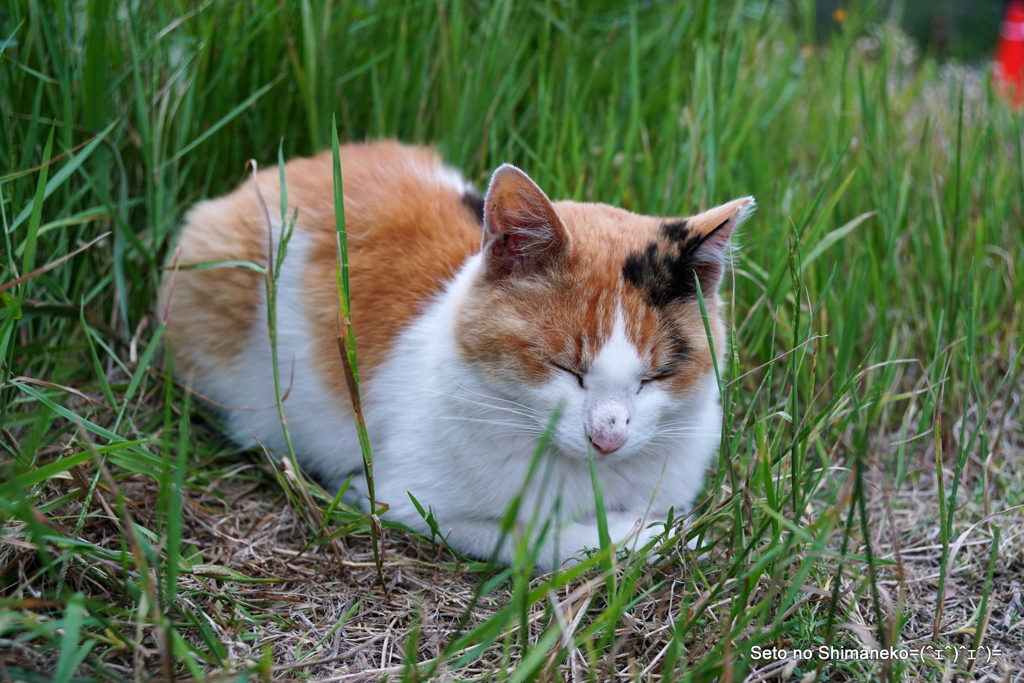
(635, 256)
(603, 234)
(640, 265)
(642, 257)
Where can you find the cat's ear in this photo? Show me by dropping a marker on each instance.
(713, 230)
(522, 233)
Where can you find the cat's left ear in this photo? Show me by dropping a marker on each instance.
(522, 233)
(714, 229)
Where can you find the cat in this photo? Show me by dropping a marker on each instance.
(476, 319)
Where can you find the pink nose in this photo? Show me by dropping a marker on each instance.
(607, 444)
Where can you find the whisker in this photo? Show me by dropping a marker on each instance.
(685, 432)
(531, 412)
(527, 408)
(529, 427)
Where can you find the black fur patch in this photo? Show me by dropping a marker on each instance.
(664, 270)
(675, 231)
(474, 201)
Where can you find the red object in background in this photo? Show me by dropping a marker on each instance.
(1009, 67)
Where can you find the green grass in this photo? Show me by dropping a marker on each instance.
(872, 393)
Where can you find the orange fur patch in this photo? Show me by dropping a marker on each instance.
(408, 228)
(210, 312)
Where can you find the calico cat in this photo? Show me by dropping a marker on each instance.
(475, 320)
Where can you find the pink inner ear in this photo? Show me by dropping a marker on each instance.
(717, 241)
(513, 249)
(526, 234)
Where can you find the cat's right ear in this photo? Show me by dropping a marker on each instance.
(522, 233)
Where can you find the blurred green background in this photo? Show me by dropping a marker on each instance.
(961, 29)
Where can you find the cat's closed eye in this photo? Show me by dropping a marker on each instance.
(578, 374)
(659, 375)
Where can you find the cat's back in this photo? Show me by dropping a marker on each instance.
(411, 222)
